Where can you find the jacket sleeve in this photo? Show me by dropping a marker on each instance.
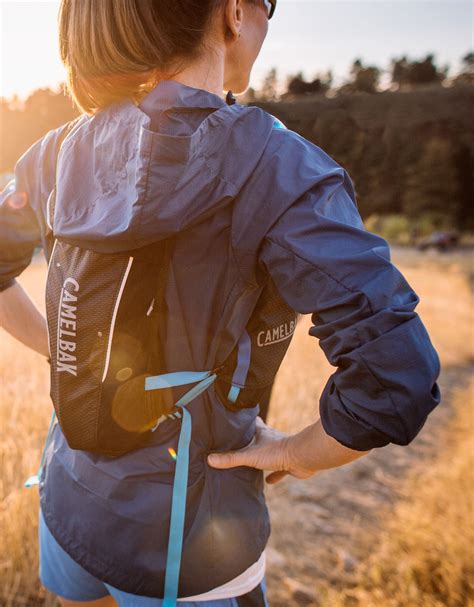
(325, 263)
(23, 200)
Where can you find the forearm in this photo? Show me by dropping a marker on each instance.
(20, 317)
(314, 450)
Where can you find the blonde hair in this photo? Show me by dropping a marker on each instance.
(117, 49)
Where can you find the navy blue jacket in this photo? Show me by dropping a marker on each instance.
(246, 199)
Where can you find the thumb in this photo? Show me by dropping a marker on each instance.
(276, 477)
(231, 459)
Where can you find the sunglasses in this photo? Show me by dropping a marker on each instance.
(270, 5)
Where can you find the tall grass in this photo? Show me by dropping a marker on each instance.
(425, 554)
(24, 411)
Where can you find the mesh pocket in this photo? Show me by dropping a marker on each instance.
(254, 362)
(105, 313)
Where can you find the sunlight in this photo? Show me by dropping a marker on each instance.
(29, 53)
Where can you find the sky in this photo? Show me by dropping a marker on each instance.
(311, 36)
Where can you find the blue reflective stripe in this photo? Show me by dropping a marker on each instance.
(170, 380)
(243, 363)
(233, 393)
(35, 479)
(278, 124)
(178, 511)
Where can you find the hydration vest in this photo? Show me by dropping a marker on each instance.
(106, 317)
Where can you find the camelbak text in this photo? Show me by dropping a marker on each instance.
(275, 334)
(66, 342)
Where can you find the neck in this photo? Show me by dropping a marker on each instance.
(207, 74)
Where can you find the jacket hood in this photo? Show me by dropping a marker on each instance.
(134, 174)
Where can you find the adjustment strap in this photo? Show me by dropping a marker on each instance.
(178, 511)
(180, 378)
(171, 380)
(180, 489)
(241, 370)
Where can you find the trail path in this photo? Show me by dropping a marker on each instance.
(316, 523)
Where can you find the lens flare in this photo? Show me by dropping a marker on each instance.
(172, 452)
(17, 200)
(124, 374)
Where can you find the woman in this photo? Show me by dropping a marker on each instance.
(250, 203)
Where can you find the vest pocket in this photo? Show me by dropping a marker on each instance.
(106, 317)
(252, 365)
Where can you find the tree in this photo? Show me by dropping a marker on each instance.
(297, 85)
(269, 90)
(468, 62)
(432, 183)
(364, 78)
(405, 72)
(467, 72)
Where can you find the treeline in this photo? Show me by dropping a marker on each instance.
(403, 74)
(409, 151)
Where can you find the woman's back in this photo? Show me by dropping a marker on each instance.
(171, 181)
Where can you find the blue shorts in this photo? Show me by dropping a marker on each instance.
(60, 574)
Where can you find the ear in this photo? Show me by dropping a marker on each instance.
(233, 17)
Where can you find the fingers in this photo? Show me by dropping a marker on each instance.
(231, 459)
(275, 477)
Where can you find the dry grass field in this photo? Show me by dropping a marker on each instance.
(393, 529)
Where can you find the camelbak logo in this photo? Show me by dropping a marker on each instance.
(276, 334)
(67, 327)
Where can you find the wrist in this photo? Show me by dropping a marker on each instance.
(301, 451)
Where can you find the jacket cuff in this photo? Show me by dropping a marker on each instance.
(343, 425)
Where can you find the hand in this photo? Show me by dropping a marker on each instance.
(268, 450)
